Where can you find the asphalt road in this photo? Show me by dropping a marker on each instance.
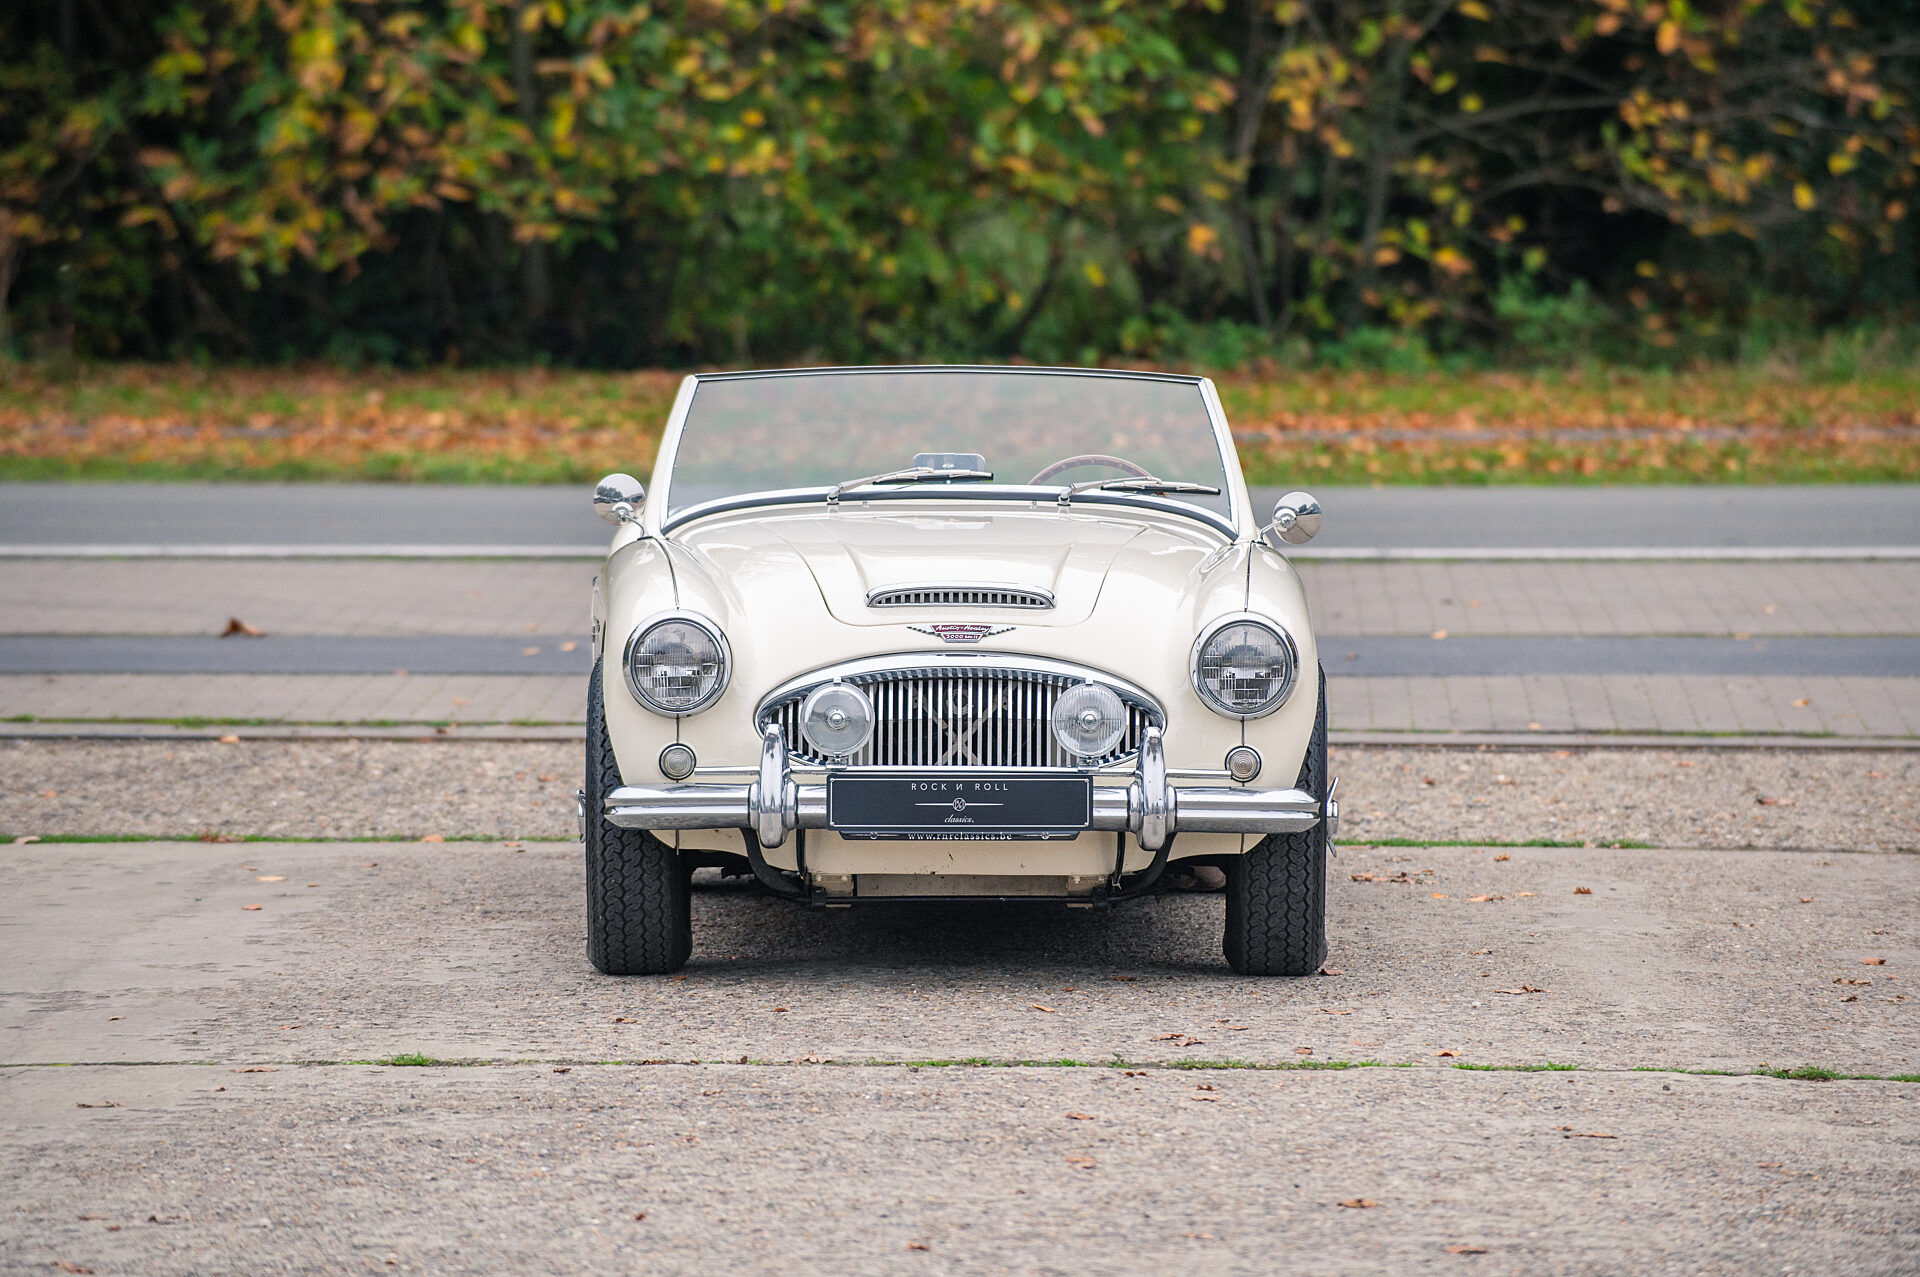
(423, 514)
(219, 1122)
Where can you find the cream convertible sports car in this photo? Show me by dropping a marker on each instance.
(933, 633)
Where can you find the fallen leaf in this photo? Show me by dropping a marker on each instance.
(434, 838)
(1533, 727)
(249, 908)
(1444, 1054)
(1331, 1011)
(1439, 634)
(1463, 1248)
(1480, 900)
(1851, 997)
(1359, 1203)
(23, 839)
(271, 878)
(66, 1267)
(1590, 1135)
(1777, 802)
(1081, 1117)
(1084, 1163)
(1521, 894)
(547, 780)
(257, 1068)
(237, 626)
(1873, 962)
(1503, 856)
(1331, 971)
(1803, 702)
(1525, 988)
(529, 651)
(568, 1069)
(639, 1215)
(1303, 1050)
(568, 647)
(1036, 1006)
(229, 740)
(621, 1019)
(1439, 895)
(780, 1010)
(918, 1246)
(1771, 1166)
(1583, 891)
(1806, 900)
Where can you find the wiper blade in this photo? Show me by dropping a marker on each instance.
(1144, 483)
(912, 474)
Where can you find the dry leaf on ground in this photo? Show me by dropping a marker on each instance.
(1359, 1203)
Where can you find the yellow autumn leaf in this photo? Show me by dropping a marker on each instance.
(1452, 261)
(1667, 38)
(1095, 276)
(1201, 239)
(1475, 10)
(1802, 196)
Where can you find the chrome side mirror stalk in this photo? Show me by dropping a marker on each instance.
(1296, 520)
(619, 498)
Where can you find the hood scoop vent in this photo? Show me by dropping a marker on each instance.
(1014, 596)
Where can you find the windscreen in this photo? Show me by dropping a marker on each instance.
(757, 434)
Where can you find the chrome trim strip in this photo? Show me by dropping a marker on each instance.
(1118, 374)
(1213, 627)
(952, 492)
(882, 595)
(713, 631)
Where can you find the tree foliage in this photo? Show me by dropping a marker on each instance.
(617, 183)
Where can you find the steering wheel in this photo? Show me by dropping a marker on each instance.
(1089, 459)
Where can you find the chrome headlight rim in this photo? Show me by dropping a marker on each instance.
(699, 622)
(1267, 623)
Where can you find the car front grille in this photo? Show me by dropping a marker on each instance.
(959, 718)
(960, 596)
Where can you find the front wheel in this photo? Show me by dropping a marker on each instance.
(639, 911)
(1277, 893)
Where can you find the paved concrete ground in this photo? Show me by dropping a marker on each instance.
(1804, 799)
(208, 1132)
(372, 513)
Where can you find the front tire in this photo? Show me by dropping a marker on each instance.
(1277, 893)
(639, 910)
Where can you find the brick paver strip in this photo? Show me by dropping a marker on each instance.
(1853, 708)
(491, 597)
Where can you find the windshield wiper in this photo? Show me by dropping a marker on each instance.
(1144, 484)
(912, 474)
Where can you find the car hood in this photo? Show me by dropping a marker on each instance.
(1074, 557)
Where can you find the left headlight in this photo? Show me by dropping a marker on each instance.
(1243, 666)
(678, 663)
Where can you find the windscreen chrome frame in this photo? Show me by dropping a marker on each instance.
(661, 487)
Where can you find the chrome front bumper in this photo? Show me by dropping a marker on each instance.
(1149, 806)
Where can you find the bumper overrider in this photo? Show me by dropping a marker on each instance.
(1149, 806)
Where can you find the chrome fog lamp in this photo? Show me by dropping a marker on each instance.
(837, 719)
(1089, 720)
(677, 664)
(1243, 667)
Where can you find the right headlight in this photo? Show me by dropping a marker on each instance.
(1243, 666)
(677, 663)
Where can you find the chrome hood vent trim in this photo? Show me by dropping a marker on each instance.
(952, 595)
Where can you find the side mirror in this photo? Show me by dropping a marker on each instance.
(1296, 519)
(618, 498)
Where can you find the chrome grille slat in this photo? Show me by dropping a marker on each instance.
(968, 718)
(1013, 596)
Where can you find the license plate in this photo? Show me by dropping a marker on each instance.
(959, 807)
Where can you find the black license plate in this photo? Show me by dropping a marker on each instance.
(959, 807)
